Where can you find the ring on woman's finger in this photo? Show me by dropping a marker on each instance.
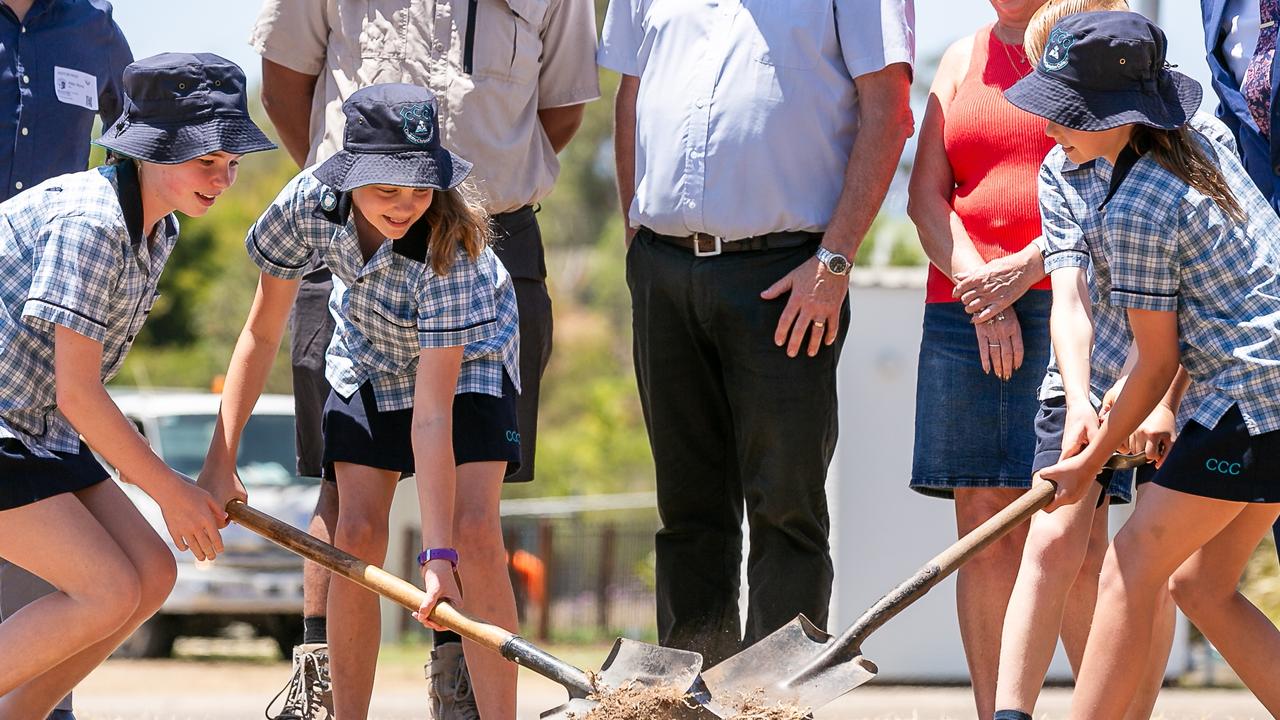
(819, 324)
(1000, 316)
(991, 344)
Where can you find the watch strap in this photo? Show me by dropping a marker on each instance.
(430, 554)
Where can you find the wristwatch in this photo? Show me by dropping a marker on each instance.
(836, 263)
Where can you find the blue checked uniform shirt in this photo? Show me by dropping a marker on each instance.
(1070, 195)
(390, 308)
(69, 256)
(1165, 247)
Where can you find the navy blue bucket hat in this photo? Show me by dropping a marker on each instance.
(1105, 69)
(392, 137)
(180, 106)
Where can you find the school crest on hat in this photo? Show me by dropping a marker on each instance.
(418, 123)
(1057, 49)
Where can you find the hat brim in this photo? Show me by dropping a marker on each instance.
(173, 144)
(437, 169)
(1169, 108)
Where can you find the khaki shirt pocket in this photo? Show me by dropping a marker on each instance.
(384, 29)
(508, 39)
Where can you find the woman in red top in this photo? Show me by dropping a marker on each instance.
(986, 325)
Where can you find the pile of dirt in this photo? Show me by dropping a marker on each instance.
(640, 702)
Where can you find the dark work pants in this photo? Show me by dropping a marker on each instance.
(519, 245)
(734, 425)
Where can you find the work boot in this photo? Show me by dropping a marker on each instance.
(449, 685)
(308, 696)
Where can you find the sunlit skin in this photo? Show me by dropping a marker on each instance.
(388, 211)
(1082, 146)
(190, 187)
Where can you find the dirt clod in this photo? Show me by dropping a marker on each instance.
(641, 702)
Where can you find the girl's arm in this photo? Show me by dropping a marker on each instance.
(190, 514)
(432, 435)
(1156, 335)
(246, 377)
(1071, 327)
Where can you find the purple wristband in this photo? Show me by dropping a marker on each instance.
(430, 554)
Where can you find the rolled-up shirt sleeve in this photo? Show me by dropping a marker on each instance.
(277, 243)
(460, 307)
(1145, 267)
(1064, 243)
(293, 33)
(568, 74)
(621, 37)
(875, 34)
(78, 268)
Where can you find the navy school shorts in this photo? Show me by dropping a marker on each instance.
(26, 478)
(357, 432)
(1224, 462)
(1050, 425)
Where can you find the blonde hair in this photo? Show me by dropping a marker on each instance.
(1042, 22)
(1180, 153)
(457, 221)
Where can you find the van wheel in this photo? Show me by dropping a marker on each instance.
(153, 639)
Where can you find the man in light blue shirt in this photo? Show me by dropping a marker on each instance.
(755, 143)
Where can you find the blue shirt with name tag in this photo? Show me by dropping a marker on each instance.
(59, 67)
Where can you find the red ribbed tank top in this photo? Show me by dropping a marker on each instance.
(995, 150)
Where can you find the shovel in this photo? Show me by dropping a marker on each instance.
(801, 666)
(630, 663)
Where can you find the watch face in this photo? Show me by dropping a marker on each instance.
(838, 264)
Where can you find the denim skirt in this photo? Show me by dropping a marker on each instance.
(974, 430)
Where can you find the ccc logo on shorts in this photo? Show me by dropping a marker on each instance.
(513, 437)
(1222, 467)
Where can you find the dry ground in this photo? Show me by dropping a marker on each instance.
(204, 686)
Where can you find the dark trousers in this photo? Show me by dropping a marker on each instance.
(518, 245)
(735, 426)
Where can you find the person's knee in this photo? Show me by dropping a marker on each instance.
(1052, 546)
(478, 534)
(157, 574)
(1196, 593)
(114, 603)
(364, 537)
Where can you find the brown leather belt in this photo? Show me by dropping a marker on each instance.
(704, 245)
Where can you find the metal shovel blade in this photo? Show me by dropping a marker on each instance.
(635, 664)
(767, 671)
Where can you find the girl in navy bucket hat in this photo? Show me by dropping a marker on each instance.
(80, 259)
(423, 365)
(1190, 250)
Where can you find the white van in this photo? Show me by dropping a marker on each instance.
(254, 581)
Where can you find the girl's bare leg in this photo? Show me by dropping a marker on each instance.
(1165, 530)
(983, 586)
(1051, 563)
(355, 621)
(1144, 702)
(156, 571)
(1205, 589)
(477, 531)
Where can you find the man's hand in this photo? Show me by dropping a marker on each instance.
(816, 297)
(1079, 429)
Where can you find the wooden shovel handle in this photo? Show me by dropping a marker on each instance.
(370, 576)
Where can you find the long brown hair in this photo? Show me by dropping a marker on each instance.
(1180, 153)
(457, 220)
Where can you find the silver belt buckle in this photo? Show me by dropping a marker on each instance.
(716, 248)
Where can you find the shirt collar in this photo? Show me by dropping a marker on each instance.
(1124, 164)
(129, 193)
(38, 10)
(335, 207)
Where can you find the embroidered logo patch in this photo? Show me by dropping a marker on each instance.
(418, 123)
(1056, 50)
(329, 200)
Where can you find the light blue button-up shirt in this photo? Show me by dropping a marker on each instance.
(747, 109)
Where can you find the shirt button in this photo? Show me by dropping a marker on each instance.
(25, 132)
(18, 185)
(129, 339)
(693, 203)
(701, 103)
(26, 79)
(359, 280)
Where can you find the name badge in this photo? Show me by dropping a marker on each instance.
(76, 88)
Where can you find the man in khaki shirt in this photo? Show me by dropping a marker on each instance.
(512, 78)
